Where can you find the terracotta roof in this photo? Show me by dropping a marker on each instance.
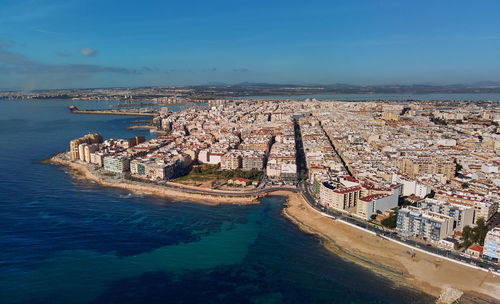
(475, 248)
(240, 179)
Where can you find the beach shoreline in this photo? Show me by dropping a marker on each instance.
(424, 272)
(150, 189)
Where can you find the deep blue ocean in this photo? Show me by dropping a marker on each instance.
(67, 240)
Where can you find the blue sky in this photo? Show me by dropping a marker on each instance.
(97, 43)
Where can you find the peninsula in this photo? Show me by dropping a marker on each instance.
(408, 189)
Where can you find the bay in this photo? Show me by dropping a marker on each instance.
(67, 240)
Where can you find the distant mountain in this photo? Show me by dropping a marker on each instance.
(268, 89)
(222, 89)
(486, 84)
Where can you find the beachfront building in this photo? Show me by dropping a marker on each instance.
(74, 145)
(253, 160)
(277, 170)
(231, 160)
(475, 251)
(483, 207)
(491, 250)
(116, 163)
(211, 158)
(215, 158)
(421, 222)
(369, 205)
(282, 163)
(160, 168)
(238, 181)
(97, 158)
(462, 215)
(203, 156)
(447, 243)
(84, 151)
(339, 197)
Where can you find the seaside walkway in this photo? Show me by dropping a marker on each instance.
(394, 237)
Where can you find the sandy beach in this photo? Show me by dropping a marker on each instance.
(425, 272)
(82, 170)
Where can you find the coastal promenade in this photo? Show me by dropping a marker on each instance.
(265, 190)
(75, 110)
(404, 264)
(169, 189)
(394, 237)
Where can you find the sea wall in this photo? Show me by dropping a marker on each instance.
(156, 190)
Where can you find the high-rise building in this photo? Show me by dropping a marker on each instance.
(117, 164)
(91, 138)
(463, 215)
(491, 250)
(339, 197)
(231, 160)
(421, 222)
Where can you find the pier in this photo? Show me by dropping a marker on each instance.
(75, 110)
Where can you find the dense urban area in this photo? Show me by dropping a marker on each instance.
(426, 172)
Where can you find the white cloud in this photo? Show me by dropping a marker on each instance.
(88, 52)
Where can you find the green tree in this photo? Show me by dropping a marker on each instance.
(465, 185)
(466, 233)
(480, 231)
(391, 221)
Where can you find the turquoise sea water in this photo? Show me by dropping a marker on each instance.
(67, 240)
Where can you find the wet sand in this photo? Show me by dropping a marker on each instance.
(425, 272)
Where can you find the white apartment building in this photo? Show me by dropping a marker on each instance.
(421, 222)
(369, 205)
(116, 163)
(411, 187)
(491, 249)
(462, 215)
(339, 197)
